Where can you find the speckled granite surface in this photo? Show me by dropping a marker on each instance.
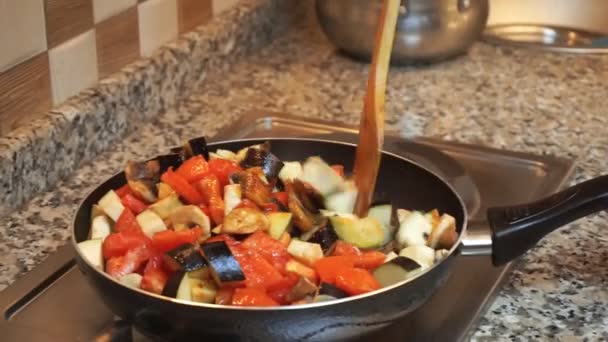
(516, 99)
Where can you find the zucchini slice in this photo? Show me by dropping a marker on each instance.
(131, 279)
(396, 270)
(362, 232)
(224, 266)
(150, 222)
(100, 227)
(387, 216)
(280, 223)
(91, 250)
(111, 205)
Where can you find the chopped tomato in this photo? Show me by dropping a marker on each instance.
(246, 203)
(370, 259)
(123, 190)
(119, 266)
(133, 203)
(167, 240)
(182, 187)
(258, 272)
(327, 268)
(223, 169)
(209, 186)
(127, 222)
(339, 169)
(345, 248)
(269, 248)
(270, 207)
(193, 169)
(356, 281)
(252, 297)
(281, 197)
(280, 291)
(230, 241)
(118, 244)
(154, 278)
(224, 296)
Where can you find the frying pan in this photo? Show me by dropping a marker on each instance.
(515, 229)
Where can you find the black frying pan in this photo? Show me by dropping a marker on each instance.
(409, 185)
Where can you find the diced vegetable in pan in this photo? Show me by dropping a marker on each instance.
(247, 229)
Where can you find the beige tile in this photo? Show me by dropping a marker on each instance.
(191, 13)
(220, 6)
(73, 66)
(65, 19)
(104, 9)
(117, 41)
(25, 17)
(26, 92)
(157, 24)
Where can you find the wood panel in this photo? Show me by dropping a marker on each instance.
(26, 92)
(66, 19)
(191, 13)
(117, 41)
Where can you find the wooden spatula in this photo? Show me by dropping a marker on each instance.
(371, 127)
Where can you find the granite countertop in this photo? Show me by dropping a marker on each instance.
(517, 99)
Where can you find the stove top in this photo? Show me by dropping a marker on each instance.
(54, 301)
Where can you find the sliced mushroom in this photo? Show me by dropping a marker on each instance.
(245, 221)
(188, 216)
(252, 187)
(142, 178)
(303, 218)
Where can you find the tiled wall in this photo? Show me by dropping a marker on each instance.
(53, 49)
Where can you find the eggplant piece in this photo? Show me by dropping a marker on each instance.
(301, 290)
(186, 257)
(173, 285)
(396, 270)
(325, 236)
(196, 147)
(173, 160)
(271, 165)
(331, 290)
(252, 187)
(310, 198)
(142, 178)
(224, 266)
(386, 214)
(303, 218)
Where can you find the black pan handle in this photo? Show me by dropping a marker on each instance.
(516, 229)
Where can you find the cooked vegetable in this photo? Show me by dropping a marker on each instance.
(211, 189)
(166, 206)
(325, 236)
(169, 239)
(441, 254)
(290, 171)
(232, 197)
(270, 164)
(126, 222)
(193, 169)
(303, 218)
(142, 178)
(252, 297)
(342, 202)
(300, 269)
(188, 216)
(396, 270)
(92, 252)
(223, 154)
(306, 252)
(423, 255)
(182, 187)
(414, 230)
(444, 233)
(164, 191)
(150, 223)
(280, 223)
(321, 176)
(131, 279)
(178, 286)
(111, 205)
(203, 291)
(387, 216)
(224, 267)
(100, 227)
(355, 281)
(390, 256)
(173, 160)
(303, 288)
(196, 147)
(362, 232)
(252, 187)
(245, 221)
(186, 257)
(331, 290)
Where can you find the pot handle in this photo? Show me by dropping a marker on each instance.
(516, 229)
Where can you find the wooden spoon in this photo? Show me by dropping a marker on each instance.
(371, 127)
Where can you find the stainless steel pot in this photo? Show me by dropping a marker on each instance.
(427, 30)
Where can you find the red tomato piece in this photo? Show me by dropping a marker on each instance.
(280, 291)
(127, 222)
(193, 169)
(169, 239)
(270, 249)
(281, 197)
(252, 297)
(118, 244)
(133, 204)
(356, 281)
(154, 278)
(345, 248)
(246, 203)
(327, 268)
(258, 272)
(123, 190)
(182, 187)
(370, 259)
(230, 241)
(119, 266)
(209, 186)
(223, 169)
(224, 296)
(339, 169)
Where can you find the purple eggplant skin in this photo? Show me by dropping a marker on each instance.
(326, 237)
(173, 160)
(170, 289)
(197, 147)
(224, 266)
(258, 157)
(186, 257)
(330, 290)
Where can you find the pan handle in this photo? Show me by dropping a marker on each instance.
(516, 229)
